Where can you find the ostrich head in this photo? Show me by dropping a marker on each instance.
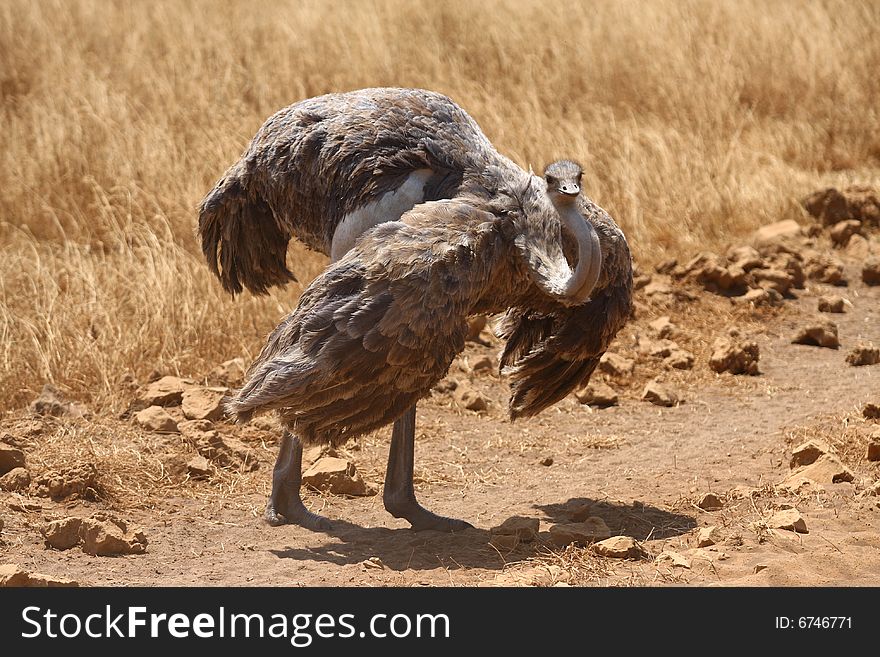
(563, 179)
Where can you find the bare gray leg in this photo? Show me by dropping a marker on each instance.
(285, 505)
(400, 496)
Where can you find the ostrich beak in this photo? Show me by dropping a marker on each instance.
(569, 189)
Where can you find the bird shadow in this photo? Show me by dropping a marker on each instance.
(401, 549)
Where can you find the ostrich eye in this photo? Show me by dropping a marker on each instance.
(551, 180)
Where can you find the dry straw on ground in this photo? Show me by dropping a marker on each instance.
(696, 122)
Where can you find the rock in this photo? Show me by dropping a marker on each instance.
(710, 502)
(524, 529)
(807, 453)
(547, 461)
(483, 365)
(708, 536)
(476, 324)
(871, 271)
(673, 559)
(194, 429)
(657, 348)
(618, 547)
(582, 533)
(52, 402)
(198, 467)
(15, 479)
(13, 575)
(760, 297)
(776, 232)
(10, 458)
(832, 205)
(167, 391)
(155, 418)
(773, 279)
(858, 248)
(832, 304)
(100, 535)
(822, 333)
(843, 230)
(662, 327)
(659, 395)
(469, 398)
(679, 359)
(226, 451)
(229, 372)
(597, 393)
(616, 365)
(659, 289)
(736, 357)
(825, 269)
(336, 476)
(789, 519)
(203, 403)
(745, 257)
(78, 480)
(863, 355)
(826, 469)
(446, 386)
(872, 453)
(871, 411)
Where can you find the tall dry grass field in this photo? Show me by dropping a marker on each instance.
(696, 122)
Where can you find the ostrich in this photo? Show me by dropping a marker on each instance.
(330, 169)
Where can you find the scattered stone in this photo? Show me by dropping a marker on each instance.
(582, 533)
(523, 528)
(863, 355)
(373, 563)
(226, 451)
(760, 297)
(14, 575)
(336, 476)
(446, 386)
(832, 304)
(657, 348)
(52, 402)
(871, 271)
(662, 327)
(616, 365)
(597, 393)
(101, 535)
(807, 453)
(156, 418)
(679, 359)
(790, 519)
(203, 403)
(167, 391)
(871, 411)
(826, 469)
(843, 230)
(825, 269)
(198, 467)
(194, 429)
(547, 461)
(773, 279)
(15, 479)
(673, 559)
(618, 547)
(708, 536)
(822, 333)
(483, 365)
(10, 458)
(79, 480)
(469, 398)
(659, 395)
(736, 357)
(710, 502)
(776, 232)
(229, 372)
(872, 453)
(745, 257)
(759, 567)
(832, 205)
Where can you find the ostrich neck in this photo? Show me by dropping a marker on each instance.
(586, 274)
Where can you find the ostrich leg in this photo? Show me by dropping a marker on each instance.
(399, 496)
(285, 504)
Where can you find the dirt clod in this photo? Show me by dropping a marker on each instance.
(673, 559)
(337, 476)
(679, 359)
(100, 535)
(79, 480)
(871, 271)
(825, 269)
(710, 502)
(52, 401)
(582, 533)
(203, 403)
(789, 519)
(832, 205)
(872, 451)
(156, 418)
(708, 536)
(229, 372)
(871, 411)
(662, 327)
(13, 575)
(225, 451)
(807, 453)
(863, 354)
(619, 547)
(776, 232)
(166, 391)
(832, 304)
(735, 356)
(827, 469)
(616, 365)
(469, 398)
(597, 393)
(820, 333)
(198, 467)
(15, 479)
(10, 458)
(843, 230)
(523, 528)
(659, 394)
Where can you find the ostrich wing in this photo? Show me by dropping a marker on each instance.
(318, 160)
(379, 328)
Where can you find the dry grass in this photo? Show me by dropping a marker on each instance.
(696, 121)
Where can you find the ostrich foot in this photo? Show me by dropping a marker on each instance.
(295, 513)
(421, 519)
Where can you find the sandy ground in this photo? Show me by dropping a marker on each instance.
(639, 467)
